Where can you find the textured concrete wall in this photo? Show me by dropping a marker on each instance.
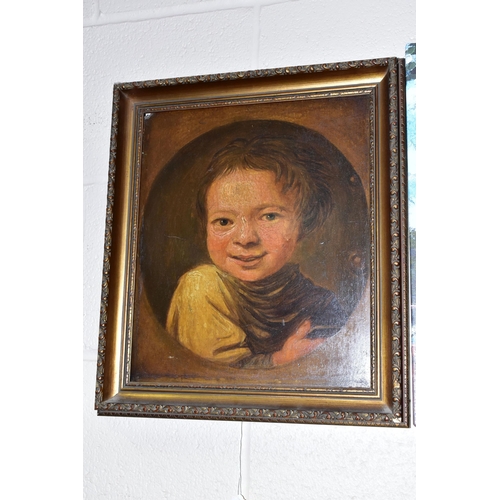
(128, 40)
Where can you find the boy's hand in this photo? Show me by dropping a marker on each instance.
(297, 345)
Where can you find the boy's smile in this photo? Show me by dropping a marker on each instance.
(252, 226)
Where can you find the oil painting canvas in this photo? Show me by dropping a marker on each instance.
(245, 238)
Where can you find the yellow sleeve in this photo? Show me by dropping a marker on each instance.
(199, 317)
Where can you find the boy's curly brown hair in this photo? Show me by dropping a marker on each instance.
(297, 165)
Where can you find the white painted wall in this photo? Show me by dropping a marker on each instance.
(124, 458)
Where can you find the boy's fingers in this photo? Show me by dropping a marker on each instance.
(303, 330)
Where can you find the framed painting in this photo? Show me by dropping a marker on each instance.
(255, 261)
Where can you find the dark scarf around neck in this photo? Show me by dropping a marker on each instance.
(272, 309)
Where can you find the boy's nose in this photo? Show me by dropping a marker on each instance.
(247, 234)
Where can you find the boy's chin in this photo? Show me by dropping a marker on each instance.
(248, 274)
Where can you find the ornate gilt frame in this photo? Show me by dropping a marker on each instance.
(387, 401)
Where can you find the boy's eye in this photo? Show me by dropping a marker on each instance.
(221, 224)
(270, 217)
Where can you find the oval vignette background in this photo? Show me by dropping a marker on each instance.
(171, 242)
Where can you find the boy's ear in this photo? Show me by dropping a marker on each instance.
(304, 230)
(302, 234)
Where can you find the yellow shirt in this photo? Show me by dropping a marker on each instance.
(200, 317)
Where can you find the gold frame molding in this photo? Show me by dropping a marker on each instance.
(387, 403)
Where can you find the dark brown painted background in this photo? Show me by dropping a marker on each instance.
(177, 146)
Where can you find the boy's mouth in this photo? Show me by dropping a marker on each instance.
(248, 258)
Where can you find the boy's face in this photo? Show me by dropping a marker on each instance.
(252, 226)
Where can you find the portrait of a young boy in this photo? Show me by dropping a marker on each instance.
(254, 256)
(251, 307)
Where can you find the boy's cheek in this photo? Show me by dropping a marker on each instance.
(216, 244)
(286, 234)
